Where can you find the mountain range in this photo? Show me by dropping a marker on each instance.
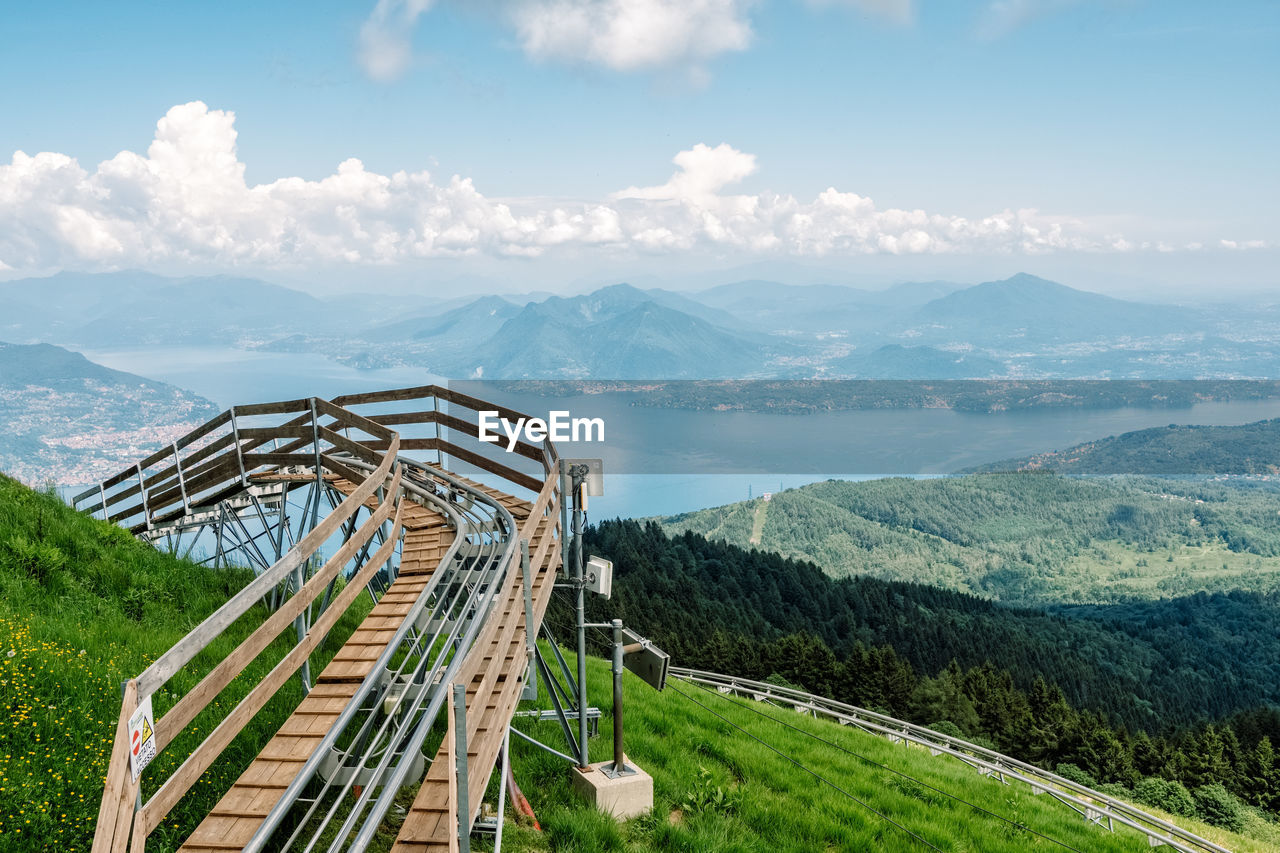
(1021, 327)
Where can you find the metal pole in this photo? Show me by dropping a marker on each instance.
(460, 763)
(565, 486)
(619, 763)
(530, 636)
(577, 476)
(502, 787)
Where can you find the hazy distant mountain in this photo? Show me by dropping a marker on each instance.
(472, 322)
(609, 334)
(111, 309)
(653, 341)
(757, 327)
(819, 308)
(771, 305)
(1249, 449)
(1039, 310)
(910, 294)
(71, 419)
(894, 361)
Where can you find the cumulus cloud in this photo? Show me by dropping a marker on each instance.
(186, 201)
(703, 172)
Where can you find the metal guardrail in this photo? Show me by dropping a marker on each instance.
(1094, 806)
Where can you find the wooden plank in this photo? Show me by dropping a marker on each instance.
(533, 484)
(204, 755)
(171, 661)
(273, 432)
(283, 407)
(394, 395)
(253, 460)
(117, 774)
(352, 419)
(355, 448)
(195, 701)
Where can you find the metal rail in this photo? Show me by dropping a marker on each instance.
(214, 478)
(1093, 806)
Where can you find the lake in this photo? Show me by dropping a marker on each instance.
(662, 461)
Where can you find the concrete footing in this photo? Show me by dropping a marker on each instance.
(623, 797)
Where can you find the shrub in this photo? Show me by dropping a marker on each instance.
(1218, 806)
(1114, 789)
(1172, 797)
(1073, 773)
(948, 728)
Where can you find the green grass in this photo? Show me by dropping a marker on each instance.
(717, 789)
(83, 607)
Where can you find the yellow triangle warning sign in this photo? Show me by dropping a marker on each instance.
(146, 730)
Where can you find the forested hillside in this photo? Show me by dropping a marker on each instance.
(1174, 449)
(1021, 537)
(1140, 694)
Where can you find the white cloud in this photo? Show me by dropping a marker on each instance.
(186, 202)
(621, 35)
(704, 171)
(383, 48)
(628, 35)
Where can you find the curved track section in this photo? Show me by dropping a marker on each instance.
(460, 574)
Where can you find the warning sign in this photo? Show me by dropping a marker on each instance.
(142, 738)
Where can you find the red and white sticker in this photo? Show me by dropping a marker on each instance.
(142, 738)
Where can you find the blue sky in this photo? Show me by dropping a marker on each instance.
(1146, 130)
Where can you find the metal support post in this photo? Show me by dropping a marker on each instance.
(142, 491)
(182, 482)
(502, 787)
(441, 459)
(619, 762)
(578, 473)
(565, 486)
(300, 624)
(235, 436)
(460, 765)
(530, 637)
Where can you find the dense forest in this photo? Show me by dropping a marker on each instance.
(1029, 538)
(1169, 450)
(1121, 696)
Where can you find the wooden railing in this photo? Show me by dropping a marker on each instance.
(221, 458)
(118, 823)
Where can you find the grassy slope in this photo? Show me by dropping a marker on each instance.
(1024, 538)
(83, 607)
(776, 807)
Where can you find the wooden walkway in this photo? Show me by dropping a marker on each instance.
(240, 812)
(494, 674)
